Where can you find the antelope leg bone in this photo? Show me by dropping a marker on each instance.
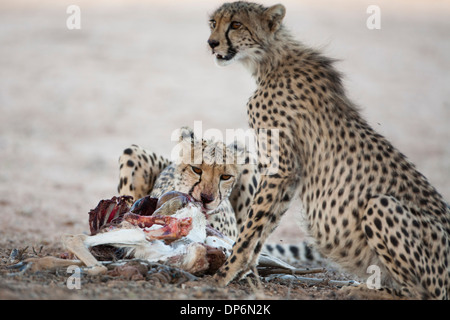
(76, 244)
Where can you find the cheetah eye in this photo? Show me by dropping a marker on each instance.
(196, 170)
(226, 176)
(235, 25)
(212, 24)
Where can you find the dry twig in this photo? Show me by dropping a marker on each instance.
(268, 271)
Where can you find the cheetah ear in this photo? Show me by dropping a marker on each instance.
(186, 133)
(274, 15)
(183, 152)
(188, 139)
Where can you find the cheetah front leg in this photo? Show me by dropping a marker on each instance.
(139, 170)
(244, 192)
(413, 248)
(270, 202)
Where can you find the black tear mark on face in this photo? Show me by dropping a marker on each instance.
(231, 52)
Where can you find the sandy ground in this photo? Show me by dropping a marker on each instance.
(72, 100)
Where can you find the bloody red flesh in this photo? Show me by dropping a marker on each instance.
(109, 213)
(173, 228)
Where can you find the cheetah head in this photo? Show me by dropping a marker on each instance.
(243, 31)
(208, 169)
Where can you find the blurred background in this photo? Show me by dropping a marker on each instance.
(72, 100)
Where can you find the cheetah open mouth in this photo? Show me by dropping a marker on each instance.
(228, 57)
(224, 60)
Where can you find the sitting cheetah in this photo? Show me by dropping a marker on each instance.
(364, 202)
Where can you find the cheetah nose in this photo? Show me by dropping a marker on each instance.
(206, 198)
(213, 43)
